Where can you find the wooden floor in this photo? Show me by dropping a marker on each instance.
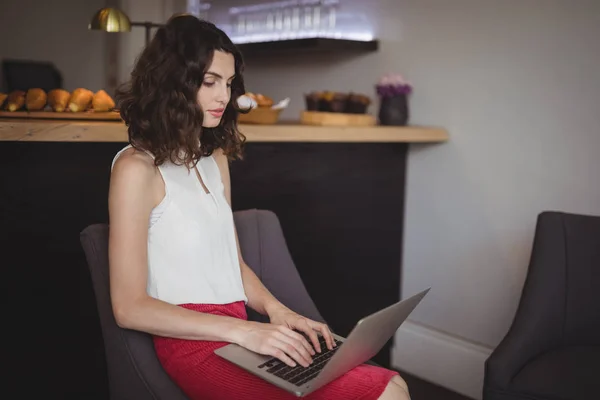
(423, 390)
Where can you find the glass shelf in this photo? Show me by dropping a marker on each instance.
(290, 25)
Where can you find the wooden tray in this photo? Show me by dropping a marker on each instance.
(85, 115)
(336, 119)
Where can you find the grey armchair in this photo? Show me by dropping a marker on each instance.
(552, 349)
(134, 372)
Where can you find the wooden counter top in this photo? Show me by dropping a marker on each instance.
(108, 131)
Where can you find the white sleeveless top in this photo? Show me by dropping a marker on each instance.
(192, 251)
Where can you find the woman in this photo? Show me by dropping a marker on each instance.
(175, 266)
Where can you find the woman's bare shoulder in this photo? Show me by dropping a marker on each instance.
(133, 163)
(134, 172)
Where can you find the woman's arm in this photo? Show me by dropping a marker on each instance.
(135, 188)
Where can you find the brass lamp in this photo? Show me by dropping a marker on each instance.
(114, 20)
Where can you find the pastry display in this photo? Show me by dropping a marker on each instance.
(337, 102)
(257, 108)
(261, 99)
(80, 100)
(58, 99)
(35, 99)
(101, 101)
(82, 103)
(15, 100)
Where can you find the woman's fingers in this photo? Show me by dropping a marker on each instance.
(298, 337)
(325, 332)
(305, 327)
(292, 352)
(298, 342)
(280, 354)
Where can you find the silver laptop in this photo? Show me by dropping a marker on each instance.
(366, 339)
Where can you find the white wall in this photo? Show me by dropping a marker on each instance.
(58, 32)
(132, 43)
(515, 82)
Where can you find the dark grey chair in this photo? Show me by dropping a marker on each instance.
(134, 371)
(552, 349)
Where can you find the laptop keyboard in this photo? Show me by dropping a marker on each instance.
(299, 375)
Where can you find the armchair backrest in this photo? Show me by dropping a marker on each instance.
(564, 276)
(582, 274)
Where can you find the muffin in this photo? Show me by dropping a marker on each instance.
(357, 103)
(325, 101)
(312, 101)
(338, 102)
(332, 102)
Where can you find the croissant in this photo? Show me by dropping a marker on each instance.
(102, 101)
(261, 99)
(58, 99)
(15, 100)
(80, 100)
(35, 99)
(264, 101)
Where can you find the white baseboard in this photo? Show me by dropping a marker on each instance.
(440, 358)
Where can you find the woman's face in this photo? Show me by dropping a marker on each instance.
(215, 91)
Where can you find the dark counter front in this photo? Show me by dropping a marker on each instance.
(341, 210)
(340, 206)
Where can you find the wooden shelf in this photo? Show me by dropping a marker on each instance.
(104, 131)
(308, 45)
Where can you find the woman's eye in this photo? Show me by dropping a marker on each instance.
(208, 84)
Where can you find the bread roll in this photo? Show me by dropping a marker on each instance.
(36, 99)
(102, 102)
(58, 99)
(80, 100)
(3, 97)
(15, 100)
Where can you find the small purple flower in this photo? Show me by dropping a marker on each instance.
(393, 90)
(393, 85)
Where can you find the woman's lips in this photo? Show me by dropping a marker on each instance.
(217, 113)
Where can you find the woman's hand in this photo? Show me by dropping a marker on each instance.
(277, 341)
(286, 317)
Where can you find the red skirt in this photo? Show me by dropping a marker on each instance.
(201, 374)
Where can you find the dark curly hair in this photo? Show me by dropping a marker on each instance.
(159, 103)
